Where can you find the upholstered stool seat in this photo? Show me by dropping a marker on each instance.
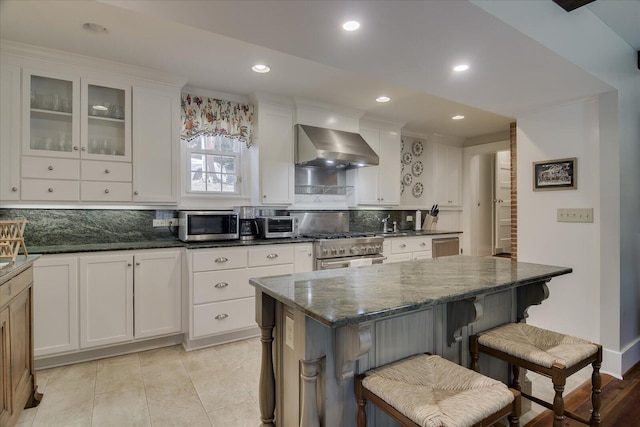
(549, 353)
(429, 391)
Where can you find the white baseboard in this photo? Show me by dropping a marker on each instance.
(617, 363)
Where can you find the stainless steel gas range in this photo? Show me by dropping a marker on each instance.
(334, 246)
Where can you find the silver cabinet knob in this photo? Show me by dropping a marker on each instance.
(423, 244)
(14, 189)
(403, 245)
(50, 168)
(221, 316)
(272, 256)
(221, 285)
(221, 259)
(84, 148)
(264, 197)
(137, 262)
(50, 190)
(128, 264)
(135, 193)
(107, 171)
(75, 148)
(106, 191)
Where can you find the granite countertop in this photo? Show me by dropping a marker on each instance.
(9, 271)
(346, 296)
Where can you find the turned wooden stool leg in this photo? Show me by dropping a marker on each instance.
(361, 418)
(596, 384)
(515, 372)
(559, 381)
(475, 354)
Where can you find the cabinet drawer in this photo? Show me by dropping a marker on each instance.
(410, 244)
(422, 255)
(105, 171)
(13, 287)
(100, 191)
(218, 317)
(45, 189)
(47, 168)
(271, 255)
(219, 259)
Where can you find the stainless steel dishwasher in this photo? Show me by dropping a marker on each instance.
(446, 246)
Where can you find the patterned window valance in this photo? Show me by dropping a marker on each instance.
(209, 116)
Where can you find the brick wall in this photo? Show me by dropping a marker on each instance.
(514, 193)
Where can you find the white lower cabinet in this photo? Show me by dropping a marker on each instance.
(221, 299)
(398, 249)
(303, 257)
(84, 301)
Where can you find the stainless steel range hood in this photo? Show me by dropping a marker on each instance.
(332, 148)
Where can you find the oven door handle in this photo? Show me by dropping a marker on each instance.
(330, 263)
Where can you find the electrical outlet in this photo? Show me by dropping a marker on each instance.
(173, 222)
(160, 222)
(575, 215)
(409, 218)
(288, 327)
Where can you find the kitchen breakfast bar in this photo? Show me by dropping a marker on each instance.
(320, 328)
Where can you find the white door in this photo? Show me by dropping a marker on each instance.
(158, 303)
(106, 300)
(502, 202)
(55, 305)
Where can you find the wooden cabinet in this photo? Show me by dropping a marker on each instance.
(274, 141)
(10, 104)
(380, 185)
(16, 348)
(446, 165)
(222, 302)
(55, 305)
(156, 137)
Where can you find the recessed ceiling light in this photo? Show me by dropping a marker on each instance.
(383, 99)
(351, 25)
(94, 28)
(261, 68)
(461, 67)
(458, 117)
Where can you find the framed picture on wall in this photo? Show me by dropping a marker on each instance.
(560, 174)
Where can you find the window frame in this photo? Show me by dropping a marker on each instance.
(236, 154)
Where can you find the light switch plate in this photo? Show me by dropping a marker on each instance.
(288, 330)
(575, 214)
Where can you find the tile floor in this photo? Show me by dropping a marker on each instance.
(216, 387)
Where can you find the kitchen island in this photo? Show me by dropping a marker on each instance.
(329, 325)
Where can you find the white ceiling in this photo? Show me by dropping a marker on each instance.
(404, 49)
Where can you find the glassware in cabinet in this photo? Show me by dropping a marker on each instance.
(107, 133)
(51, 127)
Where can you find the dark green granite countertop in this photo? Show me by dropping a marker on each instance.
(9, 271)
(346, 296)
(410, 233)
(157, 244)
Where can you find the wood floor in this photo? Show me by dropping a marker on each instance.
(620, 402)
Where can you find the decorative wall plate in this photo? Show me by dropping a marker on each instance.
(417, 190)
(407, 158)
(417, 168)
(417, 148)
(407, 179)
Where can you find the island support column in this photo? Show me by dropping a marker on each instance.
(265, 317)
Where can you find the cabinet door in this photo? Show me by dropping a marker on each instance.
(276, 155)
(106, 121)
(156, 139)
(368, 184)
(20, 345)
(440, 181)
(303, 258)
(9, 132)
(158, 290)
(5, 366)
(454, 178)
(55, 305)
(389, 169)
(50, 119)
(106, 300)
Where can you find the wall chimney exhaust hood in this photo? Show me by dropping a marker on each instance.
(332, 148)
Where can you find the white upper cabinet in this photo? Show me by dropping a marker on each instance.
(10, 103)
(447, 168)
(275, 184)
(380, 185)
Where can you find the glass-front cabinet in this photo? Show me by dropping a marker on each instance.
(52, 120)
(106, 112)
(71, 118)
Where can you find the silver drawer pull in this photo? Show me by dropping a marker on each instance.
(423, 244)
(272, 256)
(107, 171)
(221, 259)
(106, 191)
(221, 316)
(403, 245)
(221, 285)
(50, 168)
(50, 190)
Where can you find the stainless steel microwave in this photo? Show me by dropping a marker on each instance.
(277, 227)
(199, 226)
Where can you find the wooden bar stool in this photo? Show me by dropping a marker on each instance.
(429, 391)
(554, 355)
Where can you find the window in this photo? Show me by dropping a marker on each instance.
(213, 162)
